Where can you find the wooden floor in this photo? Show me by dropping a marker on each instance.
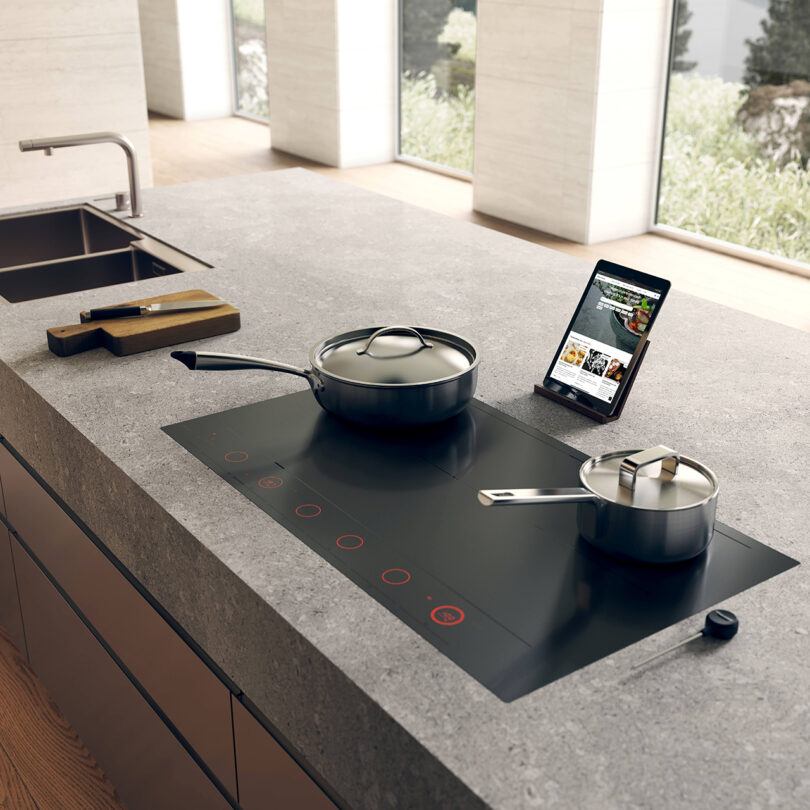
(43, 763)
(183, 151)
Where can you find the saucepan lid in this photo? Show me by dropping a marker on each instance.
(395, 355)
(634, 478)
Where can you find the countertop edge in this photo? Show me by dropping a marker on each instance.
(334, 707)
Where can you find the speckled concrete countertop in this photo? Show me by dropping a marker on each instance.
(386, 719)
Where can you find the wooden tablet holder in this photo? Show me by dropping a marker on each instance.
(539, 388)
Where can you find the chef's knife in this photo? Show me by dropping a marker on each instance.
(106, 313)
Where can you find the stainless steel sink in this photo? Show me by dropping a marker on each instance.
(79, 248)
(41, 237)
(80, 273)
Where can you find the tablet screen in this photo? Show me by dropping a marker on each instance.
(612, 319)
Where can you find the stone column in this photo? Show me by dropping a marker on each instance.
(569, 105)
(187, 57)
(332, 72)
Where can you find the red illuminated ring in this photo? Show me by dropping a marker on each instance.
(349, 548)
(446, 620)
(270, 482)
(396, 581)
(308, 506)
(236, 453)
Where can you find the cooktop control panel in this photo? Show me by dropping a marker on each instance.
(513, 596)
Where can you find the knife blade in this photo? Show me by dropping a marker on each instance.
(105, 313)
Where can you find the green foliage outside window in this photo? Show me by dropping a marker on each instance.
(422, 23)
(251, 57)
(715, 180)
(437, 127)
(437, 97)
(680, 44)
(782, 53)
(249, 11)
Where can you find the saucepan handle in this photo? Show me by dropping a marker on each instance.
(216, 361)
(512, 497)
(628, 471)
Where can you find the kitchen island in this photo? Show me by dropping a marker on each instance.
(374, 712)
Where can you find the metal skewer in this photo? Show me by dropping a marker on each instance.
(722, 624)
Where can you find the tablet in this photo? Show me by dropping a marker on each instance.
(596, 357)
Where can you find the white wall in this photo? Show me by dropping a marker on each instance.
(569, 97)
(205, 53)
(67, 67)
(187, 55)
(332, 79)
(633, 62)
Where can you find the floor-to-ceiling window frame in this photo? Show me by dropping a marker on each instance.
(249, 59)
(436, 84)
(727, 181)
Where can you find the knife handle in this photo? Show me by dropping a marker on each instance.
(114, 312)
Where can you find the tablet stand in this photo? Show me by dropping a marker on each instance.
(539, 388)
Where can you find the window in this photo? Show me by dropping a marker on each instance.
(437, 81)
(737, 135)
(250, 58)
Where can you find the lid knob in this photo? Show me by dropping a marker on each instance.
(628, 471)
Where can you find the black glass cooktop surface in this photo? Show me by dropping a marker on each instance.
(511, 595)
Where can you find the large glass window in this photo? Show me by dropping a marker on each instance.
(437, 85)
(737, 135)
(250, 56)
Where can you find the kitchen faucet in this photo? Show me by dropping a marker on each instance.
(49, 144)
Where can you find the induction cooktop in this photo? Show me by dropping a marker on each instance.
(513, 596)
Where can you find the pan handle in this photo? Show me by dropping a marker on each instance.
(216, 361)
(628, 471)
(512, 497)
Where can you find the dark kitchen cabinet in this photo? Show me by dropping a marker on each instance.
(91, 633)
(10, 618)
(190, 694)
(268, 776)
(6, 469)
(144, 760)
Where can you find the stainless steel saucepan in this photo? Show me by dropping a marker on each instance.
(626, 512)
(391, 377)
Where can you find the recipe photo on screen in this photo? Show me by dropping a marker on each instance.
(613, 318)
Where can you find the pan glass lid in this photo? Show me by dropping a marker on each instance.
(691, 485)
(395, 356)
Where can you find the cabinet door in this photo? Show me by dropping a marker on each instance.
(10, 618)
(268, 776)
(143, 759)
(194, 699)
(5, 459)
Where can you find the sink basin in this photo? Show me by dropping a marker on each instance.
(80, 273)
(65, 250)
(41, 237)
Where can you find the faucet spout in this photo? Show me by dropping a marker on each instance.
(49, 144)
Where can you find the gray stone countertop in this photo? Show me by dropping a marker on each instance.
(386, 719)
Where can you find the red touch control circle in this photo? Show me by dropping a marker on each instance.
(396, 576)
(349, 542)
(236, 456)
(447, 615)
(308, 510)
(270, 482)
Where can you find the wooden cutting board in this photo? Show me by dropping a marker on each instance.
(140, 333)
